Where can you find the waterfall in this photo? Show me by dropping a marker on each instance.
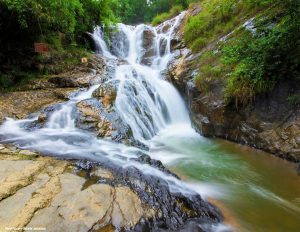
(101, 47)
(145, 101)
(150, 105)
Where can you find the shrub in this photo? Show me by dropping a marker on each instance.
(175, 10)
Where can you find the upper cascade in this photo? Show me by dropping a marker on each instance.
(145, 101)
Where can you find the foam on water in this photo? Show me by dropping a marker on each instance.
(151, 106)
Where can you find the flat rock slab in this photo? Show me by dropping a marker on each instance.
(48, 193)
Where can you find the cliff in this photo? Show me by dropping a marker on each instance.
(270, 121)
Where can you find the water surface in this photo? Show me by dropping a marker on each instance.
(258, 190)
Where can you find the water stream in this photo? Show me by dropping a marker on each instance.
(260, 192)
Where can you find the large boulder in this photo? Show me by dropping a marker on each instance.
(100, 115)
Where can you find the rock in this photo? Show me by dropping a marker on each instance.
(73, 209)
(20, 104)
(102, 173)
(42, 118)
(74, 80)
(148, 45)
(146, 159)
(103, 120)
(92, 119)
(28, 153)
(106, 93)
(1, 147)
(119, 44)
(7, 151)
(168, 210)
(53, 194)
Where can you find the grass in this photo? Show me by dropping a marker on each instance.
(250, 62)
(175, 10)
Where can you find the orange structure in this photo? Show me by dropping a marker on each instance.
(41, 48)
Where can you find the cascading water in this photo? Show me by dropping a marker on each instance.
(145, 101)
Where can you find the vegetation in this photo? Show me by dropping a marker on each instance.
(63, 25)
(175, 10)
(252, 57)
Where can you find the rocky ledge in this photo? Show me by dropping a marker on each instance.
(43, 192)
(47, 91)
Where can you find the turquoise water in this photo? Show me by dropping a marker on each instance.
(255, 190)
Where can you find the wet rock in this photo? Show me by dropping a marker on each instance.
(42, 118)
(119, 44)
(28, 153)
(171, 210)
(146, 159)
(106, 122)
(91, 119)
(148, 45)
(107, 93)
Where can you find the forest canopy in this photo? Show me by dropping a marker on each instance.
(63, 25)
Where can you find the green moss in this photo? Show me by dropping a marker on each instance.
(249, 62)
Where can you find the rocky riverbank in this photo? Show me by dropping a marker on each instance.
(61, 195)
(270, 122)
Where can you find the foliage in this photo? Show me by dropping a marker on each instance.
(218, 18)
(175, 10)
(251, 58)
(264, 57)
(59, 23)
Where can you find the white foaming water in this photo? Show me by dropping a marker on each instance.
(101, 47)
(146, 102)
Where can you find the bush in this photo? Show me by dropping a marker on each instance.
(175, 10)
(265, 57)
(218, 18)
(251, 60)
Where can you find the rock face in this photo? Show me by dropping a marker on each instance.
(270, 123)
(148, 45)
(84, 76)
(84, 196)
(47, 193)
(99, 114)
